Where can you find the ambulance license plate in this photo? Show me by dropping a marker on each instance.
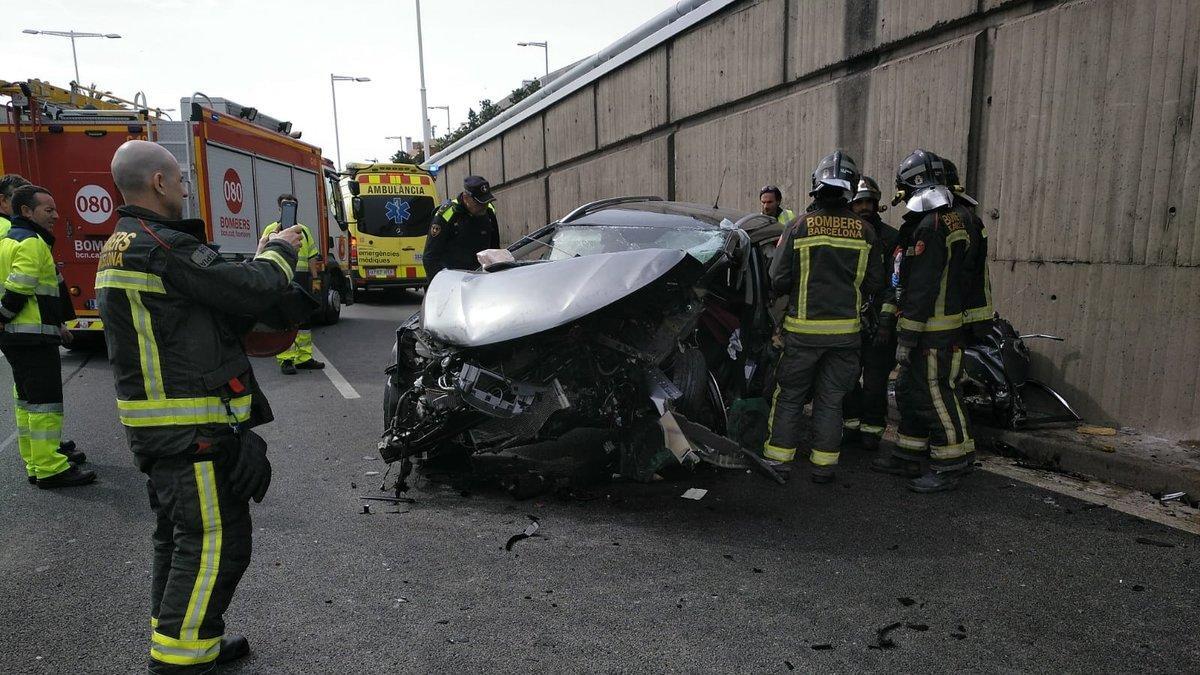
(381, 273)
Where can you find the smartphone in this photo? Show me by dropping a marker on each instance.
(287, 214)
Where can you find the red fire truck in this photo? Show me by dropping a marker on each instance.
(235, 161)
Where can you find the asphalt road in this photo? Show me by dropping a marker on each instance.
(999, 576)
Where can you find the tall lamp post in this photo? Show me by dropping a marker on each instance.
(333, 80)
(72, 35)
(545, 48)
(426, 134)
(447, 109)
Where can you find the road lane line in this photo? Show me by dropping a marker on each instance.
(8, 441)
(335, 376)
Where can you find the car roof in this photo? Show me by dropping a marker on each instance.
(674, 215)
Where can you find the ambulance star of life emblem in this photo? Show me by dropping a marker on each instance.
(398, 211)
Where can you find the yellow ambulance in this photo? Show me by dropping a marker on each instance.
(390, 207)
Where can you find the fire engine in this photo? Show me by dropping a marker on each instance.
(235, 160)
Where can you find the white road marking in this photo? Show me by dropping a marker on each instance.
(8, 441)
(335, 376)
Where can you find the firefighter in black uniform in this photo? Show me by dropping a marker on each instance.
(866, 407)
(827, 262)
(978, 311)
(929, 293)
(461, 228)
(174, 312)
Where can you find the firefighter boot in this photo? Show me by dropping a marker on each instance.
(935, 481)
(895, 466)
(311, 364)
(73, 454)
(287, 368)
(72, 477)
(233, 647)
(868, 441)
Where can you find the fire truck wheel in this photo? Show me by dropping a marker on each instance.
(332, 305)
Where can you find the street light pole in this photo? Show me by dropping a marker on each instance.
(333, 79)
(72, 35)
(545, 51)
(426, 134)
(447, 109)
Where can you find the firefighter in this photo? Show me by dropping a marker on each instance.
(9, 183)
(827, 261)
(300, 355)
(978, 311)
(33, 309)
(461, 228)
(771, 199)
(866, 407)
(930, 300)
(173, 311)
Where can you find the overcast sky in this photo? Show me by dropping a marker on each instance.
(277, 55)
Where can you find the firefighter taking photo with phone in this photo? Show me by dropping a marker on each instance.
(175, 313)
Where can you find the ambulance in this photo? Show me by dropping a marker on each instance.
(389, 208)
(235, 161)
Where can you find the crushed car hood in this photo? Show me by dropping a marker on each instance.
(472, 309)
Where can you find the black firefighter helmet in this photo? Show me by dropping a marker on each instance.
(869, 189)
(838, 171)
(921, 169)
(954, 182)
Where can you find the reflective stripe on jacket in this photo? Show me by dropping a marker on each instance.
(932, 279)
(34, 304)
(308, 245)
(828, 260)
(174, 312)
(977, 301)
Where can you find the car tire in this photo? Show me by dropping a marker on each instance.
(689, 372)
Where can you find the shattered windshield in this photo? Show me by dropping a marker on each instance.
(570, 241)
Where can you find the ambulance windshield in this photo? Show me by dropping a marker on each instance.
(395, 216)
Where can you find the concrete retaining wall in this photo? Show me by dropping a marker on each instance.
(1071, 120)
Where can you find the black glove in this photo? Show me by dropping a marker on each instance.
(902, 355)
(251, 474)
(883, 335)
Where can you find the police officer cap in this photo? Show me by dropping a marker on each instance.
(479, 189)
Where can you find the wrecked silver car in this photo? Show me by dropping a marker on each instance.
(634, 330)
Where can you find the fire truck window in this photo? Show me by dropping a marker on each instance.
(392, 216)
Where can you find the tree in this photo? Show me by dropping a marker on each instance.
(402, 157)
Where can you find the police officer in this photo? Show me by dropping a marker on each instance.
(771, 199)
(978, 311)
(461, 228)
(300, 355)
(173, 312)
(33, 308)
(827, 261)
(9, 183)
(935, 243)
(866, 407)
